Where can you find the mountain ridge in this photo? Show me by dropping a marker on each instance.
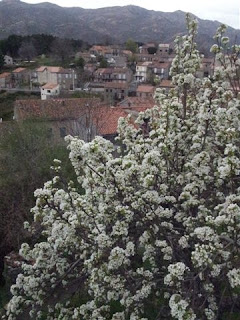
(110, 24)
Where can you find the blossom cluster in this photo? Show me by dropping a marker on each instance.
(150, 232)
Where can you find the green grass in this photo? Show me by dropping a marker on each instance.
(46, 61)
(51, 61)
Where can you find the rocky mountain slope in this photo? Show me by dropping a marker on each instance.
(112, 24)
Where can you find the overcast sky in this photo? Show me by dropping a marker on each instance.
(226, 11)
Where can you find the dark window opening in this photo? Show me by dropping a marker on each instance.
(49, 132)
(63, 132)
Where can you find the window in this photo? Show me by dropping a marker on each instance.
(48, 91)
(63, 132)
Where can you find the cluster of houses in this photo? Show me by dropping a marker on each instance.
(51, 80)
(131, 74)
(126, 74)
(82, 117)
(126, 85)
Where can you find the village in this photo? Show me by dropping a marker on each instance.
(113, 80)
(119, 163)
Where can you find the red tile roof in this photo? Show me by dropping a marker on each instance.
(98, 48)
(146, 88)
(54, 109)
(137, 101)
(166, 84)
(18, 70)
(105, 118)
(120, 70)
(111, 70)
(4, 75)
(50, 69)
(109, 122)
(127, 52)
(144, 64)
(102, 70)
(164, 65)
(50, 86)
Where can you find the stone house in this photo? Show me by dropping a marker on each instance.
(163, 49)
(76, 117)
(144, 49)
(145, 91)
(66, 78)
(142, 69)
(123, 75)
(50, 90)
(21, 77)
(115, 92)
(160, 69)
(97, 87)
(83, 117)
(102, 75)
(8, 60)
(105, 51)
(132, 102)
(142, 57)
(98, 50)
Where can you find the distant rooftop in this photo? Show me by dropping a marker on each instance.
(4, 75)
(146, 88)
(54, 109)
(50, 85)
(104, 117)
(50, 69)
(18, 70)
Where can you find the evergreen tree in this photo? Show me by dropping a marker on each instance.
(131, 45)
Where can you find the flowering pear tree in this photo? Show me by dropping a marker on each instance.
(156, 233)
